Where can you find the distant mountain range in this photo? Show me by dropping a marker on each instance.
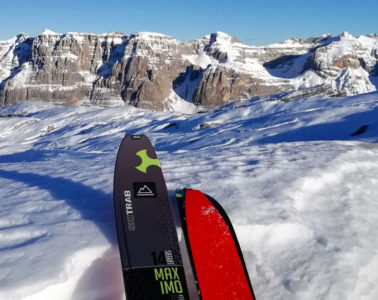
(152, 70)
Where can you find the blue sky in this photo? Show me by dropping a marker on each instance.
(254, 22)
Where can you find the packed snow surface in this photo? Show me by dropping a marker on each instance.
(298, 179)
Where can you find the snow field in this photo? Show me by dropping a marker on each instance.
(299, 189)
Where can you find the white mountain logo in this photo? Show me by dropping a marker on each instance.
(145, 191)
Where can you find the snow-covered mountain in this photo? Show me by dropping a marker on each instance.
(298, 179)
(152, 70)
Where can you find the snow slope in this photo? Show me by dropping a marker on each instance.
(298, 180)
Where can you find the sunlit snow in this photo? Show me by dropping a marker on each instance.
(298, 179)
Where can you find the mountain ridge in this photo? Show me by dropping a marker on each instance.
(153, 70)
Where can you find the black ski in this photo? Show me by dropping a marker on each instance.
(150, 253)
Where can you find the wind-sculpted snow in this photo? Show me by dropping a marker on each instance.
(298, 180)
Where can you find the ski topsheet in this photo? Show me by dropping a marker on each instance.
(150, 254)
(215, 251)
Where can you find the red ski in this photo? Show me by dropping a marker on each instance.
(215, 251)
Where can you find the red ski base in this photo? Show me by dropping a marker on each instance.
(216, 254)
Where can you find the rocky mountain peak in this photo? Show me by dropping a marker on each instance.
(49, 32)
(346, 35)
(222, 37)
(154, 70)
(152, 35)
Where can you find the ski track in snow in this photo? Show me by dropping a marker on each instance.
(299, 189)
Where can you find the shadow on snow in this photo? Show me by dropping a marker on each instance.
(93, 205)
(359, 126)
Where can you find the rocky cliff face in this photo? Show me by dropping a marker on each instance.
(156, 71)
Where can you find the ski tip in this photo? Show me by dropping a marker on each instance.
(201, 211)
(136, 136)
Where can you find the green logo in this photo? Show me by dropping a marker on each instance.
(146, 161)
(169, 280)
